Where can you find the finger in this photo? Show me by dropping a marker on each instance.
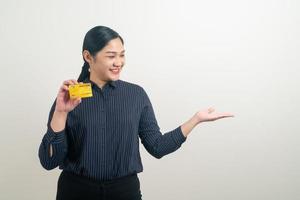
(222, 116)
(64, 88)
(227, 114)
(68, 82)
(74, 81)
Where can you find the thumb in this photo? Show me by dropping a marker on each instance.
(210, 110)
(77, 101)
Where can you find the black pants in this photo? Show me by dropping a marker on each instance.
(74, 187)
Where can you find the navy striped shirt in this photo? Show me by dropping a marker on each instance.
(101, 136)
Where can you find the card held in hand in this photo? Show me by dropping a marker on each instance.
(82, 90)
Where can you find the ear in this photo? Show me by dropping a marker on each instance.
(87, 56)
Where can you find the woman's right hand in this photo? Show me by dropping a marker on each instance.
(63, 102)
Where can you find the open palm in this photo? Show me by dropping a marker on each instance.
(210, 115)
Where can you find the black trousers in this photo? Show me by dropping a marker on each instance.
(75, 187)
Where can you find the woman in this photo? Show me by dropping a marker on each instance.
(95, 140)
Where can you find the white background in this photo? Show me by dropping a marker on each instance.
(240, 56)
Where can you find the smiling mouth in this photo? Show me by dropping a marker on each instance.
(115, 71)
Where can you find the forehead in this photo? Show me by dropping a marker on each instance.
(114, 46)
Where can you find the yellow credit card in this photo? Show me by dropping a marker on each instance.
(82, 90)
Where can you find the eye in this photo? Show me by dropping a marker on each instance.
(111, 56)
(122, 55)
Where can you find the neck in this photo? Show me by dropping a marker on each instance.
(100, 83)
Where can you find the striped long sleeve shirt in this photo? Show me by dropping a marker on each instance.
(101, 136)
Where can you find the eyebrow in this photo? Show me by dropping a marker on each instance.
(114, 51)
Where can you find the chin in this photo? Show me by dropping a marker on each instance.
(114, 78)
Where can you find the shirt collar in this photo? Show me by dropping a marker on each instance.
(111, 83)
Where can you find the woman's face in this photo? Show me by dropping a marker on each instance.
(107, 63)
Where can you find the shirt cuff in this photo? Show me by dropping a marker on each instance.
(178, 136)
(55, 137)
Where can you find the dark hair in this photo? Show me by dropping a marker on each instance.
(95, 40)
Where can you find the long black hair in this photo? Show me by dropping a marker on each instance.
(95, 40)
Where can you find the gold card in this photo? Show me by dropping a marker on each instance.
(82, 90)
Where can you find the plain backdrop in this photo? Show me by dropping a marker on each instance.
(239, 56)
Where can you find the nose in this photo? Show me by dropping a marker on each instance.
(118, 63)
